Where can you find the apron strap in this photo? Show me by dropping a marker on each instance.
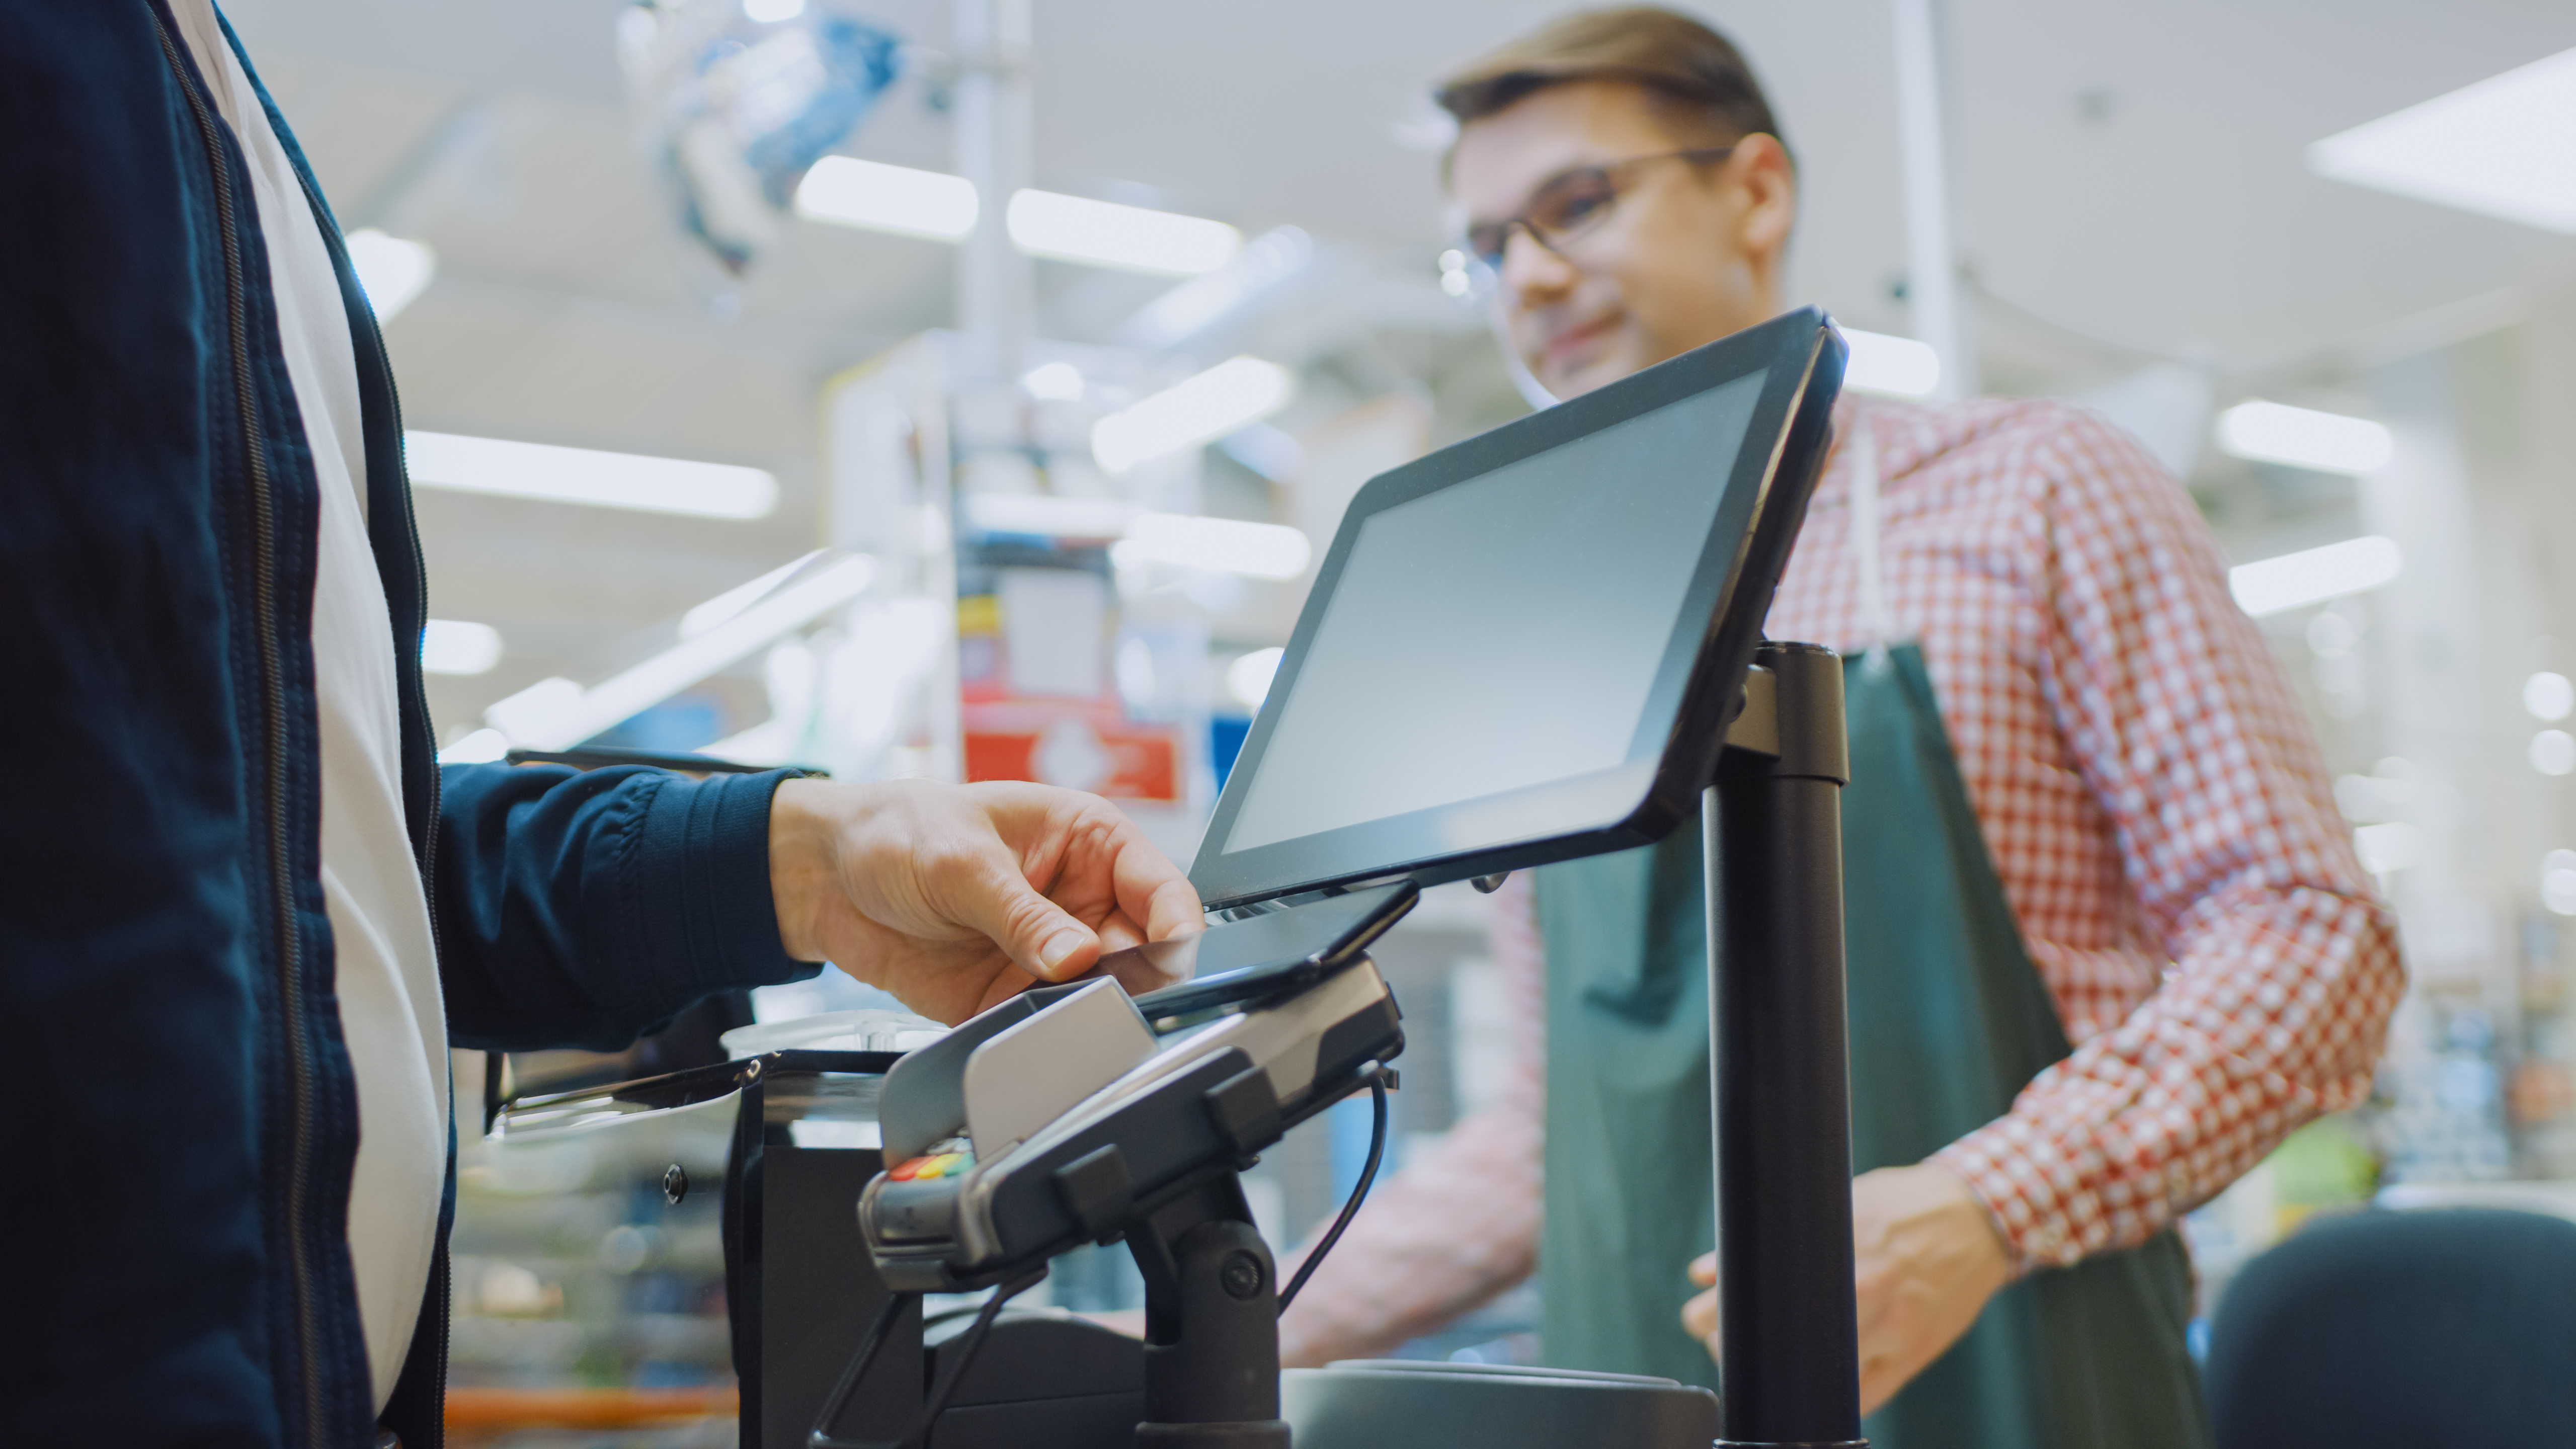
(1876, 619)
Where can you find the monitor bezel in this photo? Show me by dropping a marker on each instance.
(1700, 677)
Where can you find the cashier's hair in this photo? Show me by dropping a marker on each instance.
(1698, 79)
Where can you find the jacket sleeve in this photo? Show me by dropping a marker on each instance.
(584, 909)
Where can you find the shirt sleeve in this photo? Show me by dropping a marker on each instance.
(585, 909)
(2285, 966)
(1460, 1224)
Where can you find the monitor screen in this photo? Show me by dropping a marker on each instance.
(1537, 603)
(1503, 638)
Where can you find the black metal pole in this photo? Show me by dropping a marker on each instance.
(1788, 1349)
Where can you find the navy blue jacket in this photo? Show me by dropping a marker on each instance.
(181, 1117)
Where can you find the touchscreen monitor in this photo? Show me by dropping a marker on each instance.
(1520, 648)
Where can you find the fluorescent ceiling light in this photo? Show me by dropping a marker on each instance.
(1267, 451)
(2312, 576)
(480, 747)
(847, 191)
(2270, 432)
(1224, 545)
(733, 601)
(1202, 409)
(2504, 147)
(1130, 238)
(1204, 301)
(452, 646)
(1054, 381)
(770, 12)
(556, 714)
(2394, 845)
(2558, 881)
(1890, 366)
(2553, 752)
(1045, 515)
(391, 271)
(1248, 678)
(2549, 695)
(583, 475)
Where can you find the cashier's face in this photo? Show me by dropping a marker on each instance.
(1682, 253)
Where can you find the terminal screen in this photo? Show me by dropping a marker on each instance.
(1499, 634)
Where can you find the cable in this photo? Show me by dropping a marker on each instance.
(964, 1354)
(1368, 1174)
(860, 1362)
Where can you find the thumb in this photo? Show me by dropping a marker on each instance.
(1038, 934)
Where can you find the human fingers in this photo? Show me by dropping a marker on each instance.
(1087, 850)
(1703, 1270)
(1699, 1317)
(979, 884)
(1152, 891)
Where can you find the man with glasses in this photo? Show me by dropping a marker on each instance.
(2108, 941)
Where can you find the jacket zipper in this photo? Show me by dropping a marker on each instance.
(300, 1077)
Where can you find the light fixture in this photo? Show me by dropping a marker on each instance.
(1455, 279)
(1129, 238)
(1248, 677)
(2549, 696)
(874, 196)
(1045, 515)
(584, 475)
(1201, 409)
(2270, 432)
(2499, 147)
(2558, 881)
(481, 747)
(1221, 545)
(453, 646)
(391, 270)
(1053, 381)
(2553, 752)
(2394, 845)
(1267, 451)
(2312, 576)
(1204, 301)
(733, 601)
(555, 714)
(1890, 366)
(770, 12)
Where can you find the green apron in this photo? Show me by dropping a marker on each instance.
(1949, 1020)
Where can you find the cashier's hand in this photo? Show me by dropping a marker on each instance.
(1926, 1259)
(955, 897)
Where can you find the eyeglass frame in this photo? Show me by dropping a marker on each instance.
(1610, 171)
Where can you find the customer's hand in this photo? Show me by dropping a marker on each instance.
(1926, 1258)
(955, 897)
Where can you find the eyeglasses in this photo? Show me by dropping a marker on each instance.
(1572, 203)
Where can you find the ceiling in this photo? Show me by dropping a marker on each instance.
(2129, 180)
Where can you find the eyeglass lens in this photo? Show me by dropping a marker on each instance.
(1564, 209)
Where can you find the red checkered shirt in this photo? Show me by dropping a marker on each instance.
(2156, 808)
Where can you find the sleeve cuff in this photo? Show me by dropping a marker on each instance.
(702, 864)
(2002, 1176)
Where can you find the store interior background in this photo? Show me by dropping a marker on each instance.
(2137, 225)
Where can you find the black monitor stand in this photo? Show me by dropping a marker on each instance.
(1787, 1343)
